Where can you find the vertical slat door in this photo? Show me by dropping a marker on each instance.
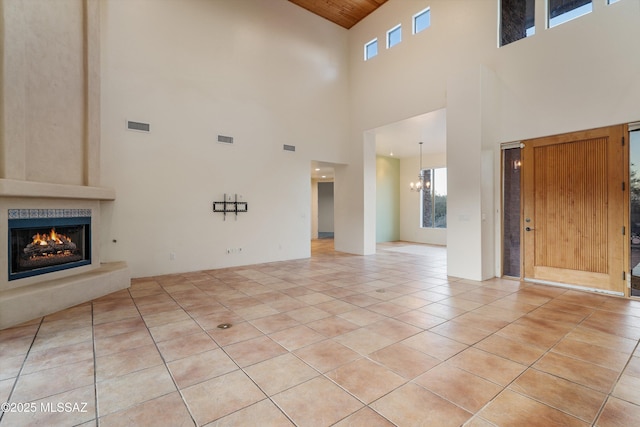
(573, 209)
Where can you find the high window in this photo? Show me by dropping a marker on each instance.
(421, 20)
(434, 199)
(394, 36)
(370, 49)
(561, 11)
(517, 19)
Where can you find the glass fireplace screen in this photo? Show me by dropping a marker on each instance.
(39, 246)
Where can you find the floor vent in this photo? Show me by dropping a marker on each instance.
(225, 139)
(139, 126)
(286, 147)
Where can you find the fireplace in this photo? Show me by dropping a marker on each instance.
(46, 240)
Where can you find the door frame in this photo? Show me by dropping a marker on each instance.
(613, 168)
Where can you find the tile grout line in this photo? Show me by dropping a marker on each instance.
(19, 374)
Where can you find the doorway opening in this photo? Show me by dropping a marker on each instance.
(322, 202)
(325, 210)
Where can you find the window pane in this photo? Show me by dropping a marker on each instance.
(427, 200)
(612, 1)
(371, 49)
(394, 36)
(517, 18)
(440, 198)
(561, 11)
(434, 199)
(421, 21)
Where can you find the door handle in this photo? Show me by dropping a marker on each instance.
(529, 229)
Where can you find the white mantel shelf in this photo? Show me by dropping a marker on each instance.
(16, 188)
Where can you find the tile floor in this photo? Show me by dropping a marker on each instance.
(338, 340)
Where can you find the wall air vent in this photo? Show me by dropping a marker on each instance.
(286, 147)
(138, 126)
(225, 139)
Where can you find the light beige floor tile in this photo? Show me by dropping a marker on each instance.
(434, 345)
(513, 409)
(365, 417)
(52, 381)
(404, 360)
(365, 379)
(105, 330)
(168, 410)
(628, 388)
(326, 355)
(361, 316)
(517, 351)
(119, 393)
(263, 414)
(255, 350)
(296, 337)
(274, 323)
(173, 330)
(466, 390)
(330, 403)
(62, 338)
(381, 313)
(618, 413)
(127, 361)
(364, 341)
(126, 341)
(412, 405)
(163, 318)
(584, 373)
(58, 356)
(179, 348)
(488, 366)
(567, 396)
(221, 396)
(280, 373)
(70, 408)
(459, 332)
(200, 367)
(5, 389)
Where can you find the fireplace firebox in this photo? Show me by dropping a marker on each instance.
(43, 245)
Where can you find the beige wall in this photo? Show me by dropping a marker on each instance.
(50, 91)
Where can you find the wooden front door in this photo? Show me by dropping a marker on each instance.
(573, 210)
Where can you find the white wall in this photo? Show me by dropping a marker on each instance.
(267, 73)
(578, 75)
(270, 73)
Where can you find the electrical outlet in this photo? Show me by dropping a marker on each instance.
(172, 256)
(228, 250)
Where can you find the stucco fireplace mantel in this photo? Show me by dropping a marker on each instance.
(30, 189)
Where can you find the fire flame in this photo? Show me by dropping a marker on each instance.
(44, 239)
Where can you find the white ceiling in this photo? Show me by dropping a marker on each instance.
(401, 139)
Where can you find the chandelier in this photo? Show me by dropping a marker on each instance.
(423, 182)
